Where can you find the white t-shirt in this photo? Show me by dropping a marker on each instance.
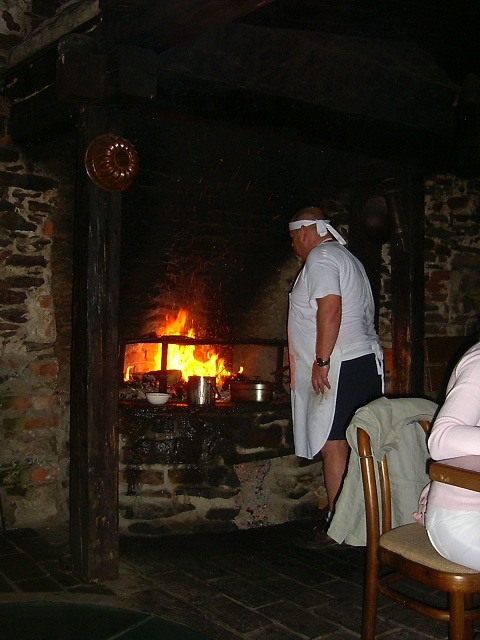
(331, 269)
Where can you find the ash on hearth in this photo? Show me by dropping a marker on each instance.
(138, 385)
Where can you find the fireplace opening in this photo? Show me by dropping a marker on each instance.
(208, 467)
(165, 363)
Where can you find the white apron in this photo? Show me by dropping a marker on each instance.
(313, 414)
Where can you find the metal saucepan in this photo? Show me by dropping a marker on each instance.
(202, 390)
(251, 391)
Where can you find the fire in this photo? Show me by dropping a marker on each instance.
(191, 360)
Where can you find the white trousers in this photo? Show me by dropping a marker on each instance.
(455, 535)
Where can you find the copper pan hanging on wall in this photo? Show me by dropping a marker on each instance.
(111, 162)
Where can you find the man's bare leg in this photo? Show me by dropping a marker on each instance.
(335, 458)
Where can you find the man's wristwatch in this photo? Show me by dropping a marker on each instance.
(323, 363)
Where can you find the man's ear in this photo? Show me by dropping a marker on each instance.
(304, 233)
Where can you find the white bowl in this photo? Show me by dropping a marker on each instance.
(157, 398)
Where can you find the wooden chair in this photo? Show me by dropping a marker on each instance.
(441, 354)
(407, 554)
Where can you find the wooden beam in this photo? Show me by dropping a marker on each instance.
(161, 24)
(307, 122)
(359, 241)
(405, 201)
(36, 112)
(94, 386)
(181, 96)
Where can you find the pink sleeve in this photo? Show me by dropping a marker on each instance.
(455, 431)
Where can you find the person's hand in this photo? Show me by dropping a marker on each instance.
(320, 378)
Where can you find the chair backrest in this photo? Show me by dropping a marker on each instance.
(378, 499)
(441, 354)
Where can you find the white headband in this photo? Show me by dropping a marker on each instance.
(323, 227)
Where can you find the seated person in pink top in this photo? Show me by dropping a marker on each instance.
(453, 514)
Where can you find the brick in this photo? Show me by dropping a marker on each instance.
(40, 403)
(25, 282)
(439, 276)
(45, 302)
(9, 297)
(44, 369)
(48, 228)
(27, 181)
(15, 222)
(186, 476)
(27, 261)
(41, 422)
(43, 474)
(14, 403)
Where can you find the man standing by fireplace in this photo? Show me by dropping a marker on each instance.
(336, 361)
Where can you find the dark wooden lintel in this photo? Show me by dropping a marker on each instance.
(161, 24)
(314, 124)
(307, 122)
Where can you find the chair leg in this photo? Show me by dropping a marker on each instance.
(456, 625)
(469, 626)
(370, 597)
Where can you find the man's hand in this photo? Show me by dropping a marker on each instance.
(320, 378)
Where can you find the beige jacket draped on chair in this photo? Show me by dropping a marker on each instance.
(386, 422)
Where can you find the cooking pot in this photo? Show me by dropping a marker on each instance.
(201, 390)
(251, 391)
(165, 378)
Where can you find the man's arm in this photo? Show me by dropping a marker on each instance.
(329, 315)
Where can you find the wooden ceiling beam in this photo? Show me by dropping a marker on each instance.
(192, 98)
(161, 24)
(307, 122)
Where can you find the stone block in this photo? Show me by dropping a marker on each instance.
(222, 476)
(255, 438)
(221, 514)
(186, 476)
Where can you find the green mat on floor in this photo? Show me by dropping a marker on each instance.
(67, 621)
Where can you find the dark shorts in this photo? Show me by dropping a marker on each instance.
(358, 384)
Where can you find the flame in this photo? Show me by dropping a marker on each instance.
(191, 360)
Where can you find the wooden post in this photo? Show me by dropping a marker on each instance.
(94, 387)
(406, 205)
(361, 244)
(405, 210)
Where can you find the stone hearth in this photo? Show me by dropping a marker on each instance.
(209, 469)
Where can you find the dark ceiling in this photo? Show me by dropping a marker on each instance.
(448, 30)
(380, 79)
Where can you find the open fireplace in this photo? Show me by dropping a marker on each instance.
(190, 467)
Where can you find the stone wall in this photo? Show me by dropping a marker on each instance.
(452, 256)
(15, 25)
(34, 413)
(18, 18)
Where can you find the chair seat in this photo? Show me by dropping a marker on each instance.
(411, 541)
